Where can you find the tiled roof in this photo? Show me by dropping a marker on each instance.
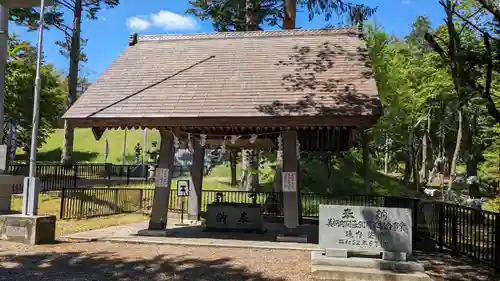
(237, 74)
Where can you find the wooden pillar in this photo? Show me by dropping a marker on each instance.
(159, 212)
(290, 165)
(278, 172)
(194, 203)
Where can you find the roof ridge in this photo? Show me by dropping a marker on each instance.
(250, 34)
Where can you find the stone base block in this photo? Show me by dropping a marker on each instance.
(318, 258)
(393, 256)
(337, 253)
(154, 233)
(346, 273)
(33, 230)
(291, 238)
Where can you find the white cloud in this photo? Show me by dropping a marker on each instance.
(165, 20)
(138, 24)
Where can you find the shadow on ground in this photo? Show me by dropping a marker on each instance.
(79, 266)
(446, 267)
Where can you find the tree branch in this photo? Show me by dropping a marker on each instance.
(486, 94)
(66, 5)
(488, 5)
(435, 46)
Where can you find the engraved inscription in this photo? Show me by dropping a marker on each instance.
(358, 228)
(16, 231)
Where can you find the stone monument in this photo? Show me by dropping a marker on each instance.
(20, 228)
(365, 243)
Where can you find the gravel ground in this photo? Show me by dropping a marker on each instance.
(109, 261)
(99, 261)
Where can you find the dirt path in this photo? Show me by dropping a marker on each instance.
(124, 262)
(102, 261)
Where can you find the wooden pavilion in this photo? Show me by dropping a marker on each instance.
(296, 89)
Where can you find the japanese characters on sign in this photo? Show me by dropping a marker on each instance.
(243, 218)
(369, 229)
(182, 188)
(289, 181)
(162, 176)
(221, 217)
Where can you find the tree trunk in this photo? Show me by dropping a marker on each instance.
(457, 149)
(252, 8)
(290, 13)
(407, 170)
(250, 179)
(386, 156)
(470, 151)
(74, 60)
(232, 164)
(366, 164)
(424, 169)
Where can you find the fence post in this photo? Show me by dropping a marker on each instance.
(61, 209)
(415, 221)
(75, 175)
(454, 231)
(82, 197)
(140, 198)
(128, 175)
(497, 243)
(441, 222)
(116, 200)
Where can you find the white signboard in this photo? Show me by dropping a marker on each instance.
(162, 175)
(289, 181)
(182, 188)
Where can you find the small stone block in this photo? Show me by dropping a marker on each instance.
(291, 238)
(338, 253)
(393, 256)
(33, 230)
(154, 233)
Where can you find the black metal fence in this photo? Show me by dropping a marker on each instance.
(464, 230)
(56, 176)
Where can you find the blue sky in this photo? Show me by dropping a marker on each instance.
(108, 36)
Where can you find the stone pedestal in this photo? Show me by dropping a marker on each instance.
(364, 269)
(6, 183)
(33, 230)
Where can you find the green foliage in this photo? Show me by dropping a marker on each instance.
(19, 86)
(492, 205)
(229, 15)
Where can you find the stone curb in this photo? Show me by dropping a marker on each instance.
(187, 243)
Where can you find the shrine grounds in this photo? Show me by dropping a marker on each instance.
(82, 261)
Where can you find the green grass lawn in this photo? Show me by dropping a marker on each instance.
(87, 149)
(50, 204)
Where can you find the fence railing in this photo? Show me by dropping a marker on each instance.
(464, 230)
(56, 176)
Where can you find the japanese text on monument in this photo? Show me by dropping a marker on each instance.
(358, 228)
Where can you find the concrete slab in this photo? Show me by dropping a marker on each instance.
(188, 236)
(346, 273)
(339, 253)
(317, 258)
(153, 233)
(292, 238)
